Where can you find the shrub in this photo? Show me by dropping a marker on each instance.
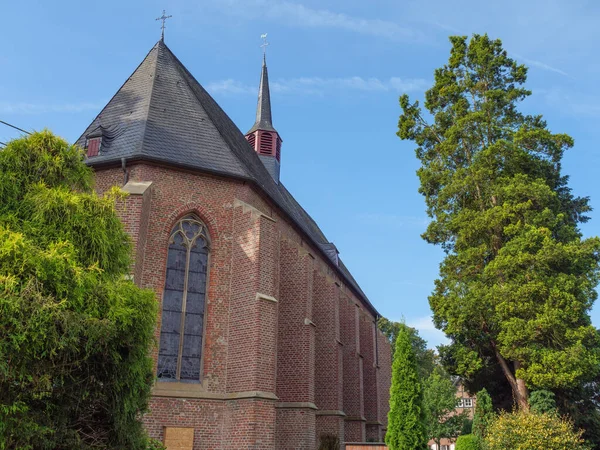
(467, 427)
(75, 333)
(542, 402)
(484, 414)
(532, 431)
(329, 442)
(467, 442)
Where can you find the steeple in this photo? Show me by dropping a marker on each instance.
(263, 137)
(264, 119)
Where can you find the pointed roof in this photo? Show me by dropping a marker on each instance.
(162, 114)
(264, 120)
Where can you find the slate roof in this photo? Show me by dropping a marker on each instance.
(162, 114)
(264, 119)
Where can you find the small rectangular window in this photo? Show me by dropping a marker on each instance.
(461, 403)
(468, 402)
(93, 146)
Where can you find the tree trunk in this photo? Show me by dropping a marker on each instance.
(523, 396)
(519, 390)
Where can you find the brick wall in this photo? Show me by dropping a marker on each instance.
(371, 401)
(354, 428)
(276, 317)
(296, 349)
(384, 378)
(204, 416)
(328, 357)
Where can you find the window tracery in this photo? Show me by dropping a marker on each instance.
(184, 299)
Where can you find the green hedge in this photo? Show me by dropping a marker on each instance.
(467, 442)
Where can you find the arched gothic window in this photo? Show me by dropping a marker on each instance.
(184, 297)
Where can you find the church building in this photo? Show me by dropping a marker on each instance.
(265, 340)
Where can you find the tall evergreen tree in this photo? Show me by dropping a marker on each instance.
(406, 419)
(484, 414)
(426, 358)
(517, 283)
(75, 333)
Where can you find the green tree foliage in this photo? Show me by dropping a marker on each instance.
(440, 402)
(406, 419)
(467, 427)
(523, 431)
(542, 402)
(517, 283)
(426, 359)
(582, 405)
(467, 442)
(484, 414)
(75, 334)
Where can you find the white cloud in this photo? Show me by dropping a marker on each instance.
(540, 65)
(296, 14)
(321, 86)
(428, 331)
(230, 86)
(568, 103)
(37, 108)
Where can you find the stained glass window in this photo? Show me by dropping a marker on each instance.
(180, 348)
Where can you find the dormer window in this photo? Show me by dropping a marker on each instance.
(93, 146)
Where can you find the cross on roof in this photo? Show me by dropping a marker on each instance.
(265, 44)
(164, 17)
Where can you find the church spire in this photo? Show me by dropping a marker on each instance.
(263, 137)
(264, 119)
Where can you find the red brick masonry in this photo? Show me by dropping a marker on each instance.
(290, 352)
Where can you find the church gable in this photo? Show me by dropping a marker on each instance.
(163, 115)
(265, 340)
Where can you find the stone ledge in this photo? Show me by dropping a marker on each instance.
(330, 412)
(355, 419)
(307, 321)
(296, 405)
(376, 422)
(136, 187)
(254, 211)
(260, 296)
(185, 390)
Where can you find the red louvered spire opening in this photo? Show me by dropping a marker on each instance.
(252, 140)
(278, 149)
(266, 144)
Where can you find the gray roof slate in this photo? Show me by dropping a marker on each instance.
(162, 114)
(264, 119)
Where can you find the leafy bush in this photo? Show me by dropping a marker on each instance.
(484, 414)
(532, 431)
(542, 402)
(467, 442)
(329, 442)
(467, 427)
(75, 334)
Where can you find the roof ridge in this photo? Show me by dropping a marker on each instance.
(118, 90)
(143, 140)
(258, 165)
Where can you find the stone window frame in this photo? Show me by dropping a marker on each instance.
(204, 234)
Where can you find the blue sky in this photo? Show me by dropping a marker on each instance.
(337, 69)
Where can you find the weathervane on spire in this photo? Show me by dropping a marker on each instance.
(265, 44)
(164, 17)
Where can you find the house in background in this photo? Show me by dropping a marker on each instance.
(266, 341)
(466, 402)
